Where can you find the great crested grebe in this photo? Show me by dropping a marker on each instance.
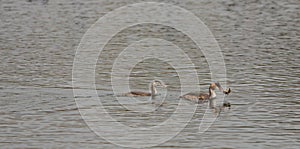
(152, 88)
(199, 97)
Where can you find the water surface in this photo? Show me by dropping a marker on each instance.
(259, 41)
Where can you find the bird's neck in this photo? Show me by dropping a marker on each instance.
(212, 93)
(211, 100)
(153, 89)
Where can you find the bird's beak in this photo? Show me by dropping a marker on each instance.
(219, 86)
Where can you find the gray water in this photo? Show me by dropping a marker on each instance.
(259, 41)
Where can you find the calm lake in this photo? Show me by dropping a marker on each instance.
(259, 41)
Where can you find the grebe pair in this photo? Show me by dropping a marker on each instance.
(197, 97)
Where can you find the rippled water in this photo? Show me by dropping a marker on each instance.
(259, 40)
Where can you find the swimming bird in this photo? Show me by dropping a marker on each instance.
(200, 97)
(152, 88)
